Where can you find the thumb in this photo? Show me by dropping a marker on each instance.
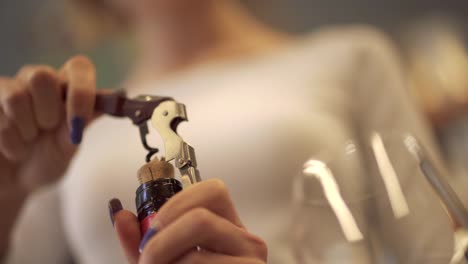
(127, 227)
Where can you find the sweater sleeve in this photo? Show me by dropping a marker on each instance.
(38, 236)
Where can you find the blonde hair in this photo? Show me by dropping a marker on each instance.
(93, 20)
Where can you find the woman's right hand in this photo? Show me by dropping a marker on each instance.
(43, 112)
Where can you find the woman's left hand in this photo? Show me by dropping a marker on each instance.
(203, 216)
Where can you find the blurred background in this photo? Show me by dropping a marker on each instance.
(430, 34)
(39, 32)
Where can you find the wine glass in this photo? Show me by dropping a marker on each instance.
(370, 201)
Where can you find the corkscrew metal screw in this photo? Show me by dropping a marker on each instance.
(144, 131)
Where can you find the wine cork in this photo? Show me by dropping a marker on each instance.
(155, 169)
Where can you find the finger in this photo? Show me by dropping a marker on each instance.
(127, 228)
(11, 144)
(17, 106)
(80, 75)
(201, 227)
(62, 140)
(43, 84)
(202, 257)
(210, 194)
(8, 172)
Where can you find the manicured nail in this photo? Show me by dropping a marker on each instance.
(114, 206)
(76, 131)
(153, 230)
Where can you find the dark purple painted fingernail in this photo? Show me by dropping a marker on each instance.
(76, 131)
(149, 234)
(114, 206)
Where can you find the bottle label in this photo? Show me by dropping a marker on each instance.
(145, 223)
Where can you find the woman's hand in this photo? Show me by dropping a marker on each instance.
(202, 216)
(39, 129)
